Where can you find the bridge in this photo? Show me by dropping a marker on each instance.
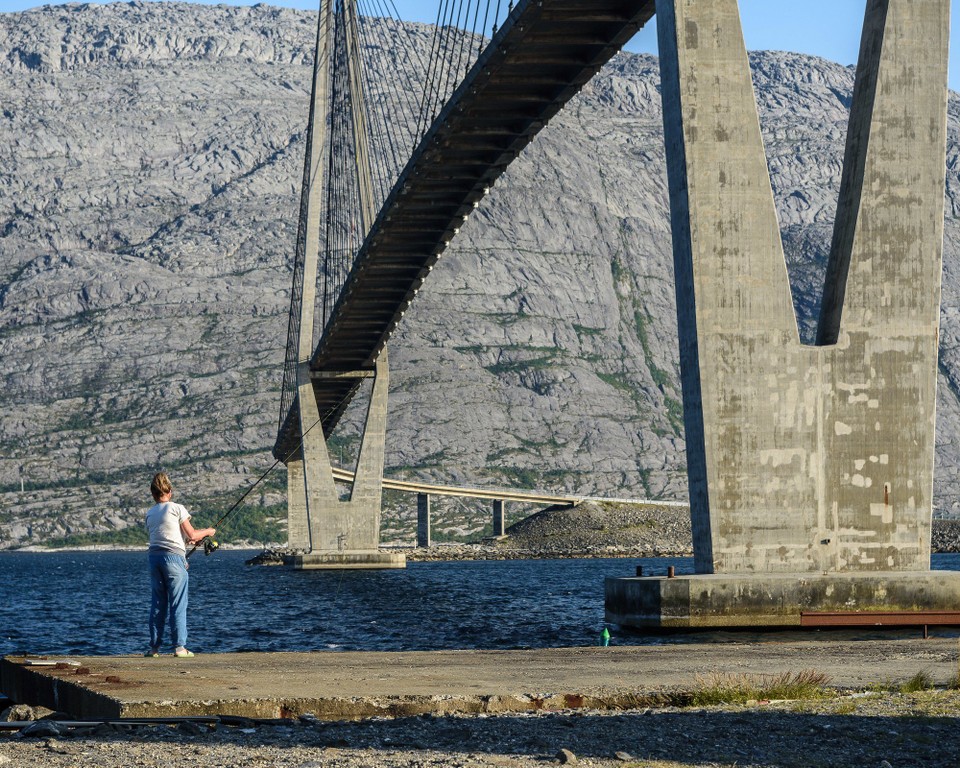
(541, 57)
(537, 60)
(810, 467)
(499, 497)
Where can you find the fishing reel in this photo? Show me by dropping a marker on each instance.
(210, 546)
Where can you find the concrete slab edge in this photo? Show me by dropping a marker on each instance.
(44, 686)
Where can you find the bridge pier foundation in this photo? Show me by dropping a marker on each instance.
(343, 534)
(423, 520)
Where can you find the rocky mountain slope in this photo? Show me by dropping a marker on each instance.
(150, 156)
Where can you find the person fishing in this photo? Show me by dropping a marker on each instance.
(168, 525)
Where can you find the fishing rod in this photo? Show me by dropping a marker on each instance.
(211, 545)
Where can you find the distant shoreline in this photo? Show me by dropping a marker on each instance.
(535, 538)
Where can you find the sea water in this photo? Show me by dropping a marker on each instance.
(89, 603)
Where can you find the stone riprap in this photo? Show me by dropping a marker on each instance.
(590, 529)
(150, 159)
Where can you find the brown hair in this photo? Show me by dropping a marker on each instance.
(160, 486)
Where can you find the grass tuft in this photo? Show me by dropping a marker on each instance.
(919, 682)
(724, 688)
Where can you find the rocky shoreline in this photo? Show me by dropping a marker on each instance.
(945, 536)
(588, 530)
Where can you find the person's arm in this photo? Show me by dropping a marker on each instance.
(194, 536)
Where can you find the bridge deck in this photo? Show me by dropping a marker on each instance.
(541, 57)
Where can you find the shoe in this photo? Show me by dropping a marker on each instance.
(183, 653)
(153, 653)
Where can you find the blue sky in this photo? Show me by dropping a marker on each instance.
(828, 28)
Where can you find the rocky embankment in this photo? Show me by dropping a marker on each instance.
(589, 529)
(596, 529)
(946, 536)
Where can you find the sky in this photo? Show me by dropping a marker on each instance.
(827, 28)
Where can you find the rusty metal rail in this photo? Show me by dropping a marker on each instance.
(924, 619)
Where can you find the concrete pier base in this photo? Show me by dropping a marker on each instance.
(708, 601)
(348, 560)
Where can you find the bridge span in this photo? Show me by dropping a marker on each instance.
(541, 56)
(539, 59)
(499, 497)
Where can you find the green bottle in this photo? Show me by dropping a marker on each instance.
(605, 637)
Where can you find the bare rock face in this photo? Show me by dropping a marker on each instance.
(150, 162)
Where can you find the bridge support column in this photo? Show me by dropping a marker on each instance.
(298, 526)
(499, 517)
(346, 534)
(423, 520)
(808, 465)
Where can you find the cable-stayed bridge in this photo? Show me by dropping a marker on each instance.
(365, 247)
(810, 468)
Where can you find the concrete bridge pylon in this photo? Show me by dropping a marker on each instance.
(810, 467)
(330, 532)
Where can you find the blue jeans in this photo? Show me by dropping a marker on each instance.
(169, 579)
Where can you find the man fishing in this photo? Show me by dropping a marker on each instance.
(168, 525)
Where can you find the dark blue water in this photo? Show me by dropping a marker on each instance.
(96, 603)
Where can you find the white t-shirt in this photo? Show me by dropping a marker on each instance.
(163, 525)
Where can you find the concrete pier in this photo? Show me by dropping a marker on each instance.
(344, 686)
(713, 600)
(806, 460)
(423, 520)
(343, 534)
(499, 517)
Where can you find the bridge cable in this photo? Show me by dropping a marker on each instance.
(411, 47)
(296, 293)
(450, 55)
(435, 61)
(339, 177)
(462, 43)
(444, 57)
(406, 107)
(483, 29)
(385, 161)
(431, 58)
(446, 62)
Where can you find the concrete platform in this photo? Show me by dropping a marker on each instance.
(710, 601)
(346, 561)
(337, 686)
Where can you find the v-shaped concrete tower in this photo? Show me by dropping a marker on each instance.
(810, 467)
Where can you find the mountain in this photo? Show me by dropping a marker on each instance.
(150, 163)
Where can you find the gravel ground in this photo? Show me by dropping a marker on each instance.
(881, 730)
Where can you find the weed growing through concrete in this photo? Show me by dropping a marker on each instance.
(723, 688)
